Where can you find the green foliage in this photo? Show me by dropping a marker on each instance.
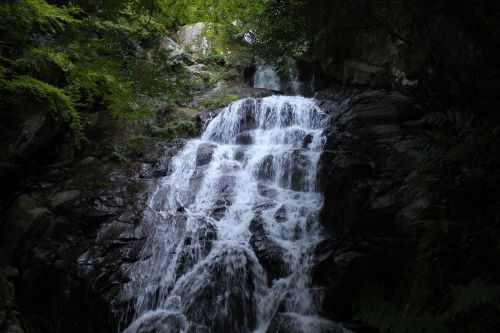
(442, 289)
(213, 57)
(454, 278)
(393, 317)
(410, 315)
(79, 56)
(19, 18)
(176, 129)
(118, 155)
(473, 295)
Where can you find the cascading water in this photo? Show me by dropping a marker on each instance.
(232, 228)
(288, 83)
(266, 78)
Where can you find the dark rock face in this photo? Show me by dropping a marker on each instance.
(240, 312)
(248, 117)
(10, 320)
(204, 154)
(34, 131)
(270, 254)
(365, 172)
(244, 139)
(64, 245)
(202, 119)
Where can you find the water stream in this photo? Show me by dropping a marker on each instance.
(232, 228)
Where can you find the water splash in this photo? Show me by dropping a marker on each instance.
(232, 228)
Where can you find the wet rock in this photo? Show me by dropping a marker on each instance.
(307, 140)
(265, 169)
(244, 139)
(246, 91)
(168, 321)
(295, 170)
(219, 209)
(194, 186)
(271, 255)
(204, 153)
(266, 191)
(247, 120)
(203, 118)
(160, 200)
(72, 241)
(63, 197)
(286, 115)
(225, 187)
(196, 245)
(228, 285)
(280, 215)
(109, 204)
(239, 155)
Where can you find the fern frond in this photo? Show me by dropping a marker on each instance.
(478, 292)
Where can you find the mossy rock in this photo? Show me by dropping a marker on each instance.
(183, 113)
(216, 101)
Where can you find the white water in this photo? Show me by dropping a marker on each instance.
(266, 77)
(200, 270)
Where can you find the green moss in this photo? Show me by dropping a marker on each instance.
(138, 139)
(48, 96)
(176, 129)
(215, 101)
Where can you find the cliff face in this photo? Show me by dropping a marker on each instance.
(440, 48)
(372, 193)
(402, 201)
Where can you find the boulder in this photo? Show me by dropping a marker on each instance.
(203, 118)
(24, 222)
(271, 256)
(244, 139)
(36, 133)
(194, 39)
(63, 197)
(204, 153)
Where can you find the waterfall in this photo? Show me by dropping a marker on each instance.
(233, 226)
(288, 83)
(265, 77)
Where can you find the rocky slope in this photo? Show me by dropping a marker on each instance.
(46, 231)
(67, 241)
(71, 231)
